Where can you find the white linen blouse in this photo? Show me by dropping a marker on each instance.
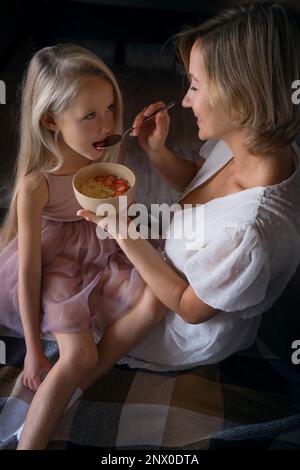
(248, 254)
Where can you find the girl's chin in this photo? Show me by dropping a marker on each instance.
(95, 155)
(98, 153)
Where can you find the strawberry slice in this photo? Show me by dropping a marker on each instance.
(122, 187)
(118, 185)
(99, 178)
(108, 180)
(119, 181)
(119, 193)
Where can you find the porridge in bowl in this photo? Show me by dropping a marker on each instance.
(104, 186)
(103, 183)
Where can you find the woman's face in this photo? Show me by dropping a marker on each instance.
(212, 122)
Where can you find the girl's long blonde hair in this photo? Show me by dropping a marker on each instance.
(51, 82)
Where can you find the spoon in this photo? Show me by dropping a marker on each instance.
(115, 139)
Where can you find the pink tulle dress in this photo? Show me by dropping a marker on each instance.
(87, 283)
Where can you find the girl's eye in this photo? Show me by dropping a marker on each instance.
(90, 116)
(193, 88)
(111, 108)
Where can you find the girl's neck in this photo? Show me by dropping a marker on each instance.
(64, 169)
(71, 161)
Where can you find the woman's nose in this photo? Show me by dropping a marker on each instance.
(186, 102)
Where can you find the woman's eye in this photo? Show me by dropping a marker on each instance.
(193, 88)
(90, 116)
(111, 108)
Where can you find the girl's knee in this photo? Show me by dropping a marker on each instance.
(83, 361)
(81, 356)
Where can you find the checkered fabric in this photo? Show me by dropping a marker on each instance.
(250, 400)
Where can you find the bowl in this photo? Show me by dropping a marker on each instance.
(103, 168)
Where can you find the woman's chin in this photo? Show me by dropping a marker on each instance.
(202, 135)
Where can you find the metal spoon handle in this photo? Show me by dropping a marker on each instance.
(164, 108)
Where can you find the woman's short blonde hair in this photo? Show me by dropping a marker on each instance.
(251, 56)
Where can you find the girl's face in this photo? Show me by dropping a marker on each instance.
(89, 119)
(212, 122)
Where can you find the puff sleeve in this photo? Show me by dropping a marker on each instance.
(231, 272)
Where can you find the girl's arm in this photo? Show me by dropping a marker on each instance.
(32, 197)
(177, 172)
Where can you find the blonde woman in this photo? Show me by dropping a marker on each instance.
(57, 278)
(241, 66)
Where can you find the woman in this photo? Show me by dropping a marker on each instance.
(241, 65)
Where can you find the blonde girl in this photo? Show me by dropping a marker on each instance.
(57, 278)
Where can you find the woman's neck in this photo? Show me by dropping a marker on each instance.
(260, 170)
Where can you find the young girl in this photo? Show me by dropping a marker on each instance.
(57, 278)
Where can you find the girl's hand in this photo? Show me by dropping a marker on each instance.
(153, 134)
(36, 367)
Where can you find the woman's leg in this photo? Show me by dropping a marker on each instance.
(77, 355)
(122, 335)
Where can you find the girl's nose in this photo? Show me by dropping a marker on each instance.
(106, 126)
(106, 129)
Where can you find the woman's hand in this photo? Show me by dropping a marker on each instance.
(153, 134)
(114, 229)
(36, 367)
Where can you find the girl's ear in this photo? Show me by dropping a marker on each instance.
(48, 120)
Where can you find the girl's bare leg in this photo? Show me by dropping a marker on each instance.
(78, 353)
(122, 335)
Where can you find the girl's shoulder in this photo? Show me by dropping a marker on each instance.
(33, 189)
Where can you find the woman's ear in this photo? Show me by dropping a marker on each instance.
(48, 120)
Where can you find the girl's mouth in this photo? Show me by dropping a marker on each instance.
(99, 145)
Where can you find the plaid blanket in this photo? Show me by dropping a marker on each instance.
(250, 400)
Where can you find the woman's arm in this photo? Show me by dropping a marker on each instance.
(32, 197)
(165, 282)
(152, 136)
(177, 172)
